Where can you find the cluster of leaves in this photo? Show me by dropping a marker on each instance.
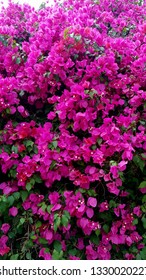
(73, 130)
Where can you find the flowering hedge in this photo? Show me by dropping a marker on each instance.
(72, 130)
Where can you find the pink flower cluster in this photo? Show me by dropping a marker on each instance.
(73, 129)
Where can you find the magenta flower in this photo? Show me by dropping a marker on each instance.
(122, 165)
(91, 254)
(13, 211)
(88, 226)
(129, 256)
(112, 188)
(48, 235)
(143, 190)
(89, 212)
(74, 258)
(92, 201)
(53, 197)
(73, 131)
(104, 252)
(117, 239)
(45, 255)
(114, 171)
(5, 228)
(137, 211)
(4, 249)
(26, 204)
(51, 116)
(103, 206)
(80, 244)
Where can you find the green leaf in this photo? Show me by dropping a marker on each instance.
(66, 213)
(29, 244)
(28, 187)
(143, 253)
(99, 141)
(57, 255)
(106, 228)
(113, 163)
(32, 181)
(4, 198)
(97, 232)
(49, 209)
(24, 195)
(43, 206)
(14, 149)
(107, 217)
(91, 94)
(112, 204)
(22, 221)
(144, 199)
(57, 222)
(138, 257)
(64, 221)
(29, 143)
(33, 237)
(55, 143)
(139, 162)
(35, 149)
(16, 195)
(3, 207)
(18, 60)
(57, 245)
(144, 222)
(135, 222)
(11, 235)
(38, 224)
(143, 208)
(142, 185)
(37, 179)
(73, 252)
(93, 147)
(91, 193)
(28, 256)
(53, 164)
(10, 200)
(21, 93)
(55, 215)
(7, 149)
(43, 241)
(94, 239)
(144, 240)
(13, 173)
(134, 249)
(14, 257)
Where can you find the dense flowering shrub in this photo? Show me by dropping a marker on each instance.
(73, 131)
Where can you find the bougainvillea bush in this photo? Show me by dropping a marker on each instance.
(73, 131)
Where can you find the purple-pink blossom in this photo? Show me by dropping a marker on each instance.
(13, 211)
